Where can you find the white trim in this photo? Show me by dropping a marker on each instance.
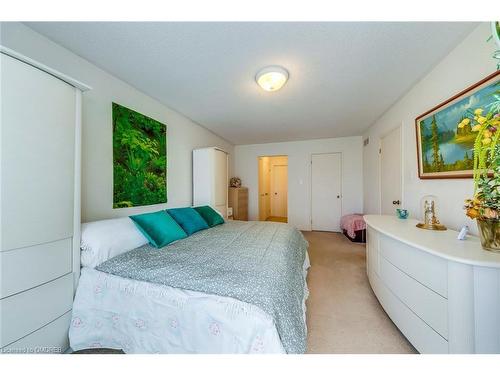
(63, 77)
(77, 189)
(380, 173)
(212, 148)
(403, 169)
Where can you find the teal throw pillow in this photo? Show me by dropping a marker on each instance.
(211, 217)
(159, 228)
(188, 219)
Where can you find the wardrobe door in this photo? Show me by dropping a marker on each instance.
(37, 156)
(221, 182)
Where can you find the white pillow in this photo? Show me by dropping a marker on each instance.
(105, 239)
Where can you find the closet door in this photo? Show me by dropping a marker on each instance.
(221, 182)
(326, 192)
(37, 156)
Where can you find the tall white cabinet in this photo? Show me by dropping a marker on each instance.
(210, 178)
(40, 204)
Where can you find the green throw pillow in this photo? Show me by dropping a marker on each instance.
(211, 216)
(159, 228)
(188, 219)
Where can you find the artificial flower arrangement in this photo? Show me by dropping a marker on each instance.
(485, 205)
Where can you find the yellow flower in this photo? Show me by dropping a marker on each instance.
(486, 141)
(472, 213)
(478, 112)
(476, 128)
(466, 121)
(481, 119)
(487, 134)
(461, 125)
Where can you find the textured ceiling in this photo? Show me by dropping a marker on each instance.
(343, 75)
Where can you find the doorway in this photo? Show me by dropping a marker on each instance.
(390, 172)
(273, 188)
(326, 192)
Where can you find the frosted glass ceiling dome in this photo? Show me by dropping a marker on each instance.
(272, 78)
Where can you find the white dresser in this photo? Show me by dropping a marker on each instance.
(210, 178)
(442, 293)
(40, 204)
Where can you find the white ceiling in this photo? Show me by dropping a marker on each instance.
(343, 75)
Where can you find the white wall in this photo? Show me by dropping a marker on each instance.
(299, 174)
(97, 154)
(468, 63)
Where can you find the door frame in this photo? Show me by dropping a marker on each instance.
(401, 136)
(311, 185)
(287, 183)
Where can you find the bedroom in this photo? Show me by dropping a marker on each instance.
(139, 202)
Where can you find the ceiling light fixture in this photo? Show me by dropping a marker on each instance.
(272, 78)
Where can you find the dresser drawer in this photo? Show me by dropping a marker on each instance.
(24, 313)
(428, 269)
(28, 267)
(242, 211)
(431, 307)
(50, 339)
(243, 192)
(423, 337)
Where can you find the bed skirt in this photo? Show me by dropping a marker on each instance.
(141, 317)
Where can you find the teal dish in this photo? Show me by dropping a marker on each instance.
(402, 213)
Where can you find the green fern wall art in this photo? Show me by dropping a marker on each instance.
(139, 159)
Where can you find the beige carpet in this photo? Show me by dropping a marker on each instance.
(343, 314)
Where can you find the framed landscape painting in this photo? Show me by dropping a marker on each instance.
(445, 140)
(139, 159)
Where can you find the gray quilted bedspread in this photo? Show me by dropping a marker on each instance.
(260, 263)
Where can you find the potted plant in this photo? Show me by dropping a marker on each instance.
(485, 205)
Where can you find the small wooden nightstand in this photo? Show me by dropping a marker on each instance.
(238, 200)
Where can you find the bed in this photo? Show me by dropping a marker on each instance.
(239, 287)
(354, 227)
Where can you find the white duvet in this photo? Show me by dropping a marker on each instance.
(141, 317)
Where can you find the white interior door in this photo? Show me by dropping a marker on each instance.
(390, 172)
(262, 212)
(264, 188)
(326, 192)
(279, 190)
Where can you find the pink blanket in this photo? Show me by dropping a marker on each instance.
(352, 223)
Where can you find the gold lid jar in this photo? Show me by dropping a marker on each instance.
(429, 209)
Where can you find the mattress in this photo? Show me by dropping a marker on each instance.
(140, 316)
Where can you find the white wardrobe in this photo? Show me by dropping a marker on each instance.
(210, 178)
(40, 204)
